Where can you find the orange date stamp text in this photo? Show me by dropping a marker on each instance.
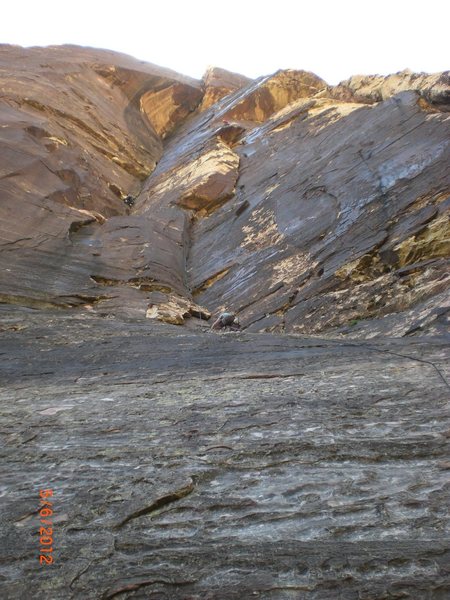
(46, 527)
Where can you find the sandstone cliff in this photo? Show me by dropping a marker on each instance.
(300, 206)
(303, 457)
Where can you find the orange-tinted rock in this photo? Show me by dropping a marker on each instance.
(219, 83)
(297, 206)
(74, 142)
(201, 183)
(168, 107)
(261, 101)
(210, 180)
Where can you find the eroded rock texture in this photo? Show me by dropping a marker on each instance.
(82, 129)
(340, 216)
(305, 456)
(299, 206)
(222, 466)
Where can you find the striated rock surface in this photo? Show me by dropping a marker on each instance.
(298, 206)
(77, 136)
(203, 183)
(166, 108)
(202, 465)
(270, 94)
(305, 456)
(339, 223)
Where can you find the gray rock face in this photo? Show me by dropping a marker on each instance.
(303, 457)
(202, 466)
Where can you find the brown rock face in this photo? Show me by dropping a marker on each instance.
(324, 184)
(77, 136)
(273, 93)
(298, 206)
(166, 108)
(219, 83)
(206, 182)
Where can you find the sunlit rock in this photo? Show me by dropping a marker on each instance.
(219, 83)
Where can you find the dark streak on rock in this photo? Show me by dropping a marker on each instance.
(159, 503)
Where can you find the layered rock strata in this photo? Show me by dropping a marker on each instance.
(299, 206)
(196, 465)
(79, 134)
(219, 83)
(193, 464)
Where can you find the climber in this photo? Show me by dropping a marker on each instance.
(129, 201)
(226, 320)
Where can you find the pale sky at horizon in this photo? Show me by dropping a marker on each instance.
(333, 38)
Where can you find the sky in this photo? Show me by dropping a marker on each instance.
(333, 38)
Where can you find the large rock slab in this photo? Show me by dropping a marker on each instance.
(340, 216)
(202, 465)
(219, 83)
(78, 134)
(202, 184)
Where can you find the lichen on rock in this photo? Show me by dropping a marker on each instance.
(174, 309)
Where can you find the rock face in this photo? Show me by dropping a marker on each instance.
(189, 463)
(196, 465)
(202, 184)
(432, 89)
(219, 83)
(298, 206)
(78, 134)
(257, 103)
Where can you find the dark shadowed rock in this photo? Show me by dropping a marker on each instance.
(190, 465)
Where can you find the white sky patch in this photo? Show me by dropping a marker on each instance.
(332, 38)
